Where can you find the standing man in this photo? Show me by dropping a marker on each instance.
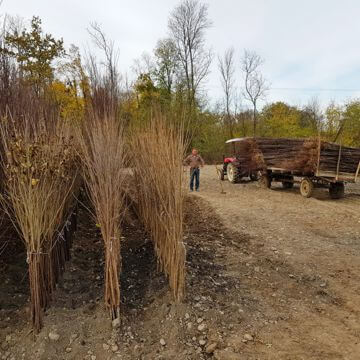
(194, 160)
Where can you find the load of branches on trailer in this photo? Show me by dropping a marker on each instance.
(302, 155)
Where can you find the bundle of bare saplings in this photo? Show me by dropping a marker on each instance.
(301, 155)
(44, 166)
(103, 154)
(158, 173)
(40, 177)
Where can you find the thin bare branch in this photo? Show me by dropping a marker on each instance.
(255, 84)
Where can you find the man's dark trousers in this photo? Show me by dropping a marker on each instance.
(194, 175)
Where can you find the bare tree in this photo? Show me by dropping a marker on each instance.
(312, 115)
(227, 71)
(143, 65)
(255, 84)
(187, 24)
(111, 56)
(11, 25)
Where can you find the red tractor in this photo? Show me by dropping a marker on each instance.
(232, 167)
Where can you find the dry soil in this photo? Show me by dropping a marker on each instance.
(270, 275)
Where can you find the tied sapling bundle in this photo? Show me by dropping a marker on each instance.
(158, 174)
(40, 169)
(103, 154)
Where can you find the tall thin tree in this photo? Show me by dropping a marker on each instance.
(167, 63)
(227, 71)
(187, 25)
(255, 84)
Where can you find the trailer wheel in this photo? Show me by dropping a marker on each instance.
(254, 176)
(221, 174)
(265, 181)
(306, 187)
(337, 190)
(288, 184)
(232, 173)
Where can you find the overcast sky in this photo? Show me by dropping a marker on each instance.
(311, 47)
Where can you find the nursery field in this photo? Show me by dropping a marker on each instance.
(269, 275)
(104, 252)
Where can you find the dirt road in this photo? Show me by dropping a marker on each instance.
(315, 244)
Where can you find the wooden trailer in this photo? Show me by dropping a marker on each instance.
(329, 172)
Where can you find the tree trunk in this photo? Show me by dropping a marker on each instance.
(254, 119)
(230, 125)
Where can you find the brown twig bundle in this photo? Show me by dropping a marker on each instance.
(329, 158)
(103, 152)
(301, 155)
(303, 158)
(158, 152)
(39, 166)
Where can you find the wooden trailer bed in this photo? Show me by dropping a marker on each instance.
(331, 160)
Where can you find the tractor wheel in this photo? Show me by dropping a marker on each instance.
(337, 190)
(254, 176)
(221, 174)
(265, 181)
(288, 184)
(232, 173)
(306, 187)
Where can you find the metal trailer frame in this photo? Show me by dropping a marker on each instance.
(334, 181)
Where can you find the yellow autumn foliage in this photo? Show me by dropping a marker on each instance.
(71, 104)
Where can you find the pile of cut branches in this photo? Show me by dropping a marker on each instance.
(301, 155)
